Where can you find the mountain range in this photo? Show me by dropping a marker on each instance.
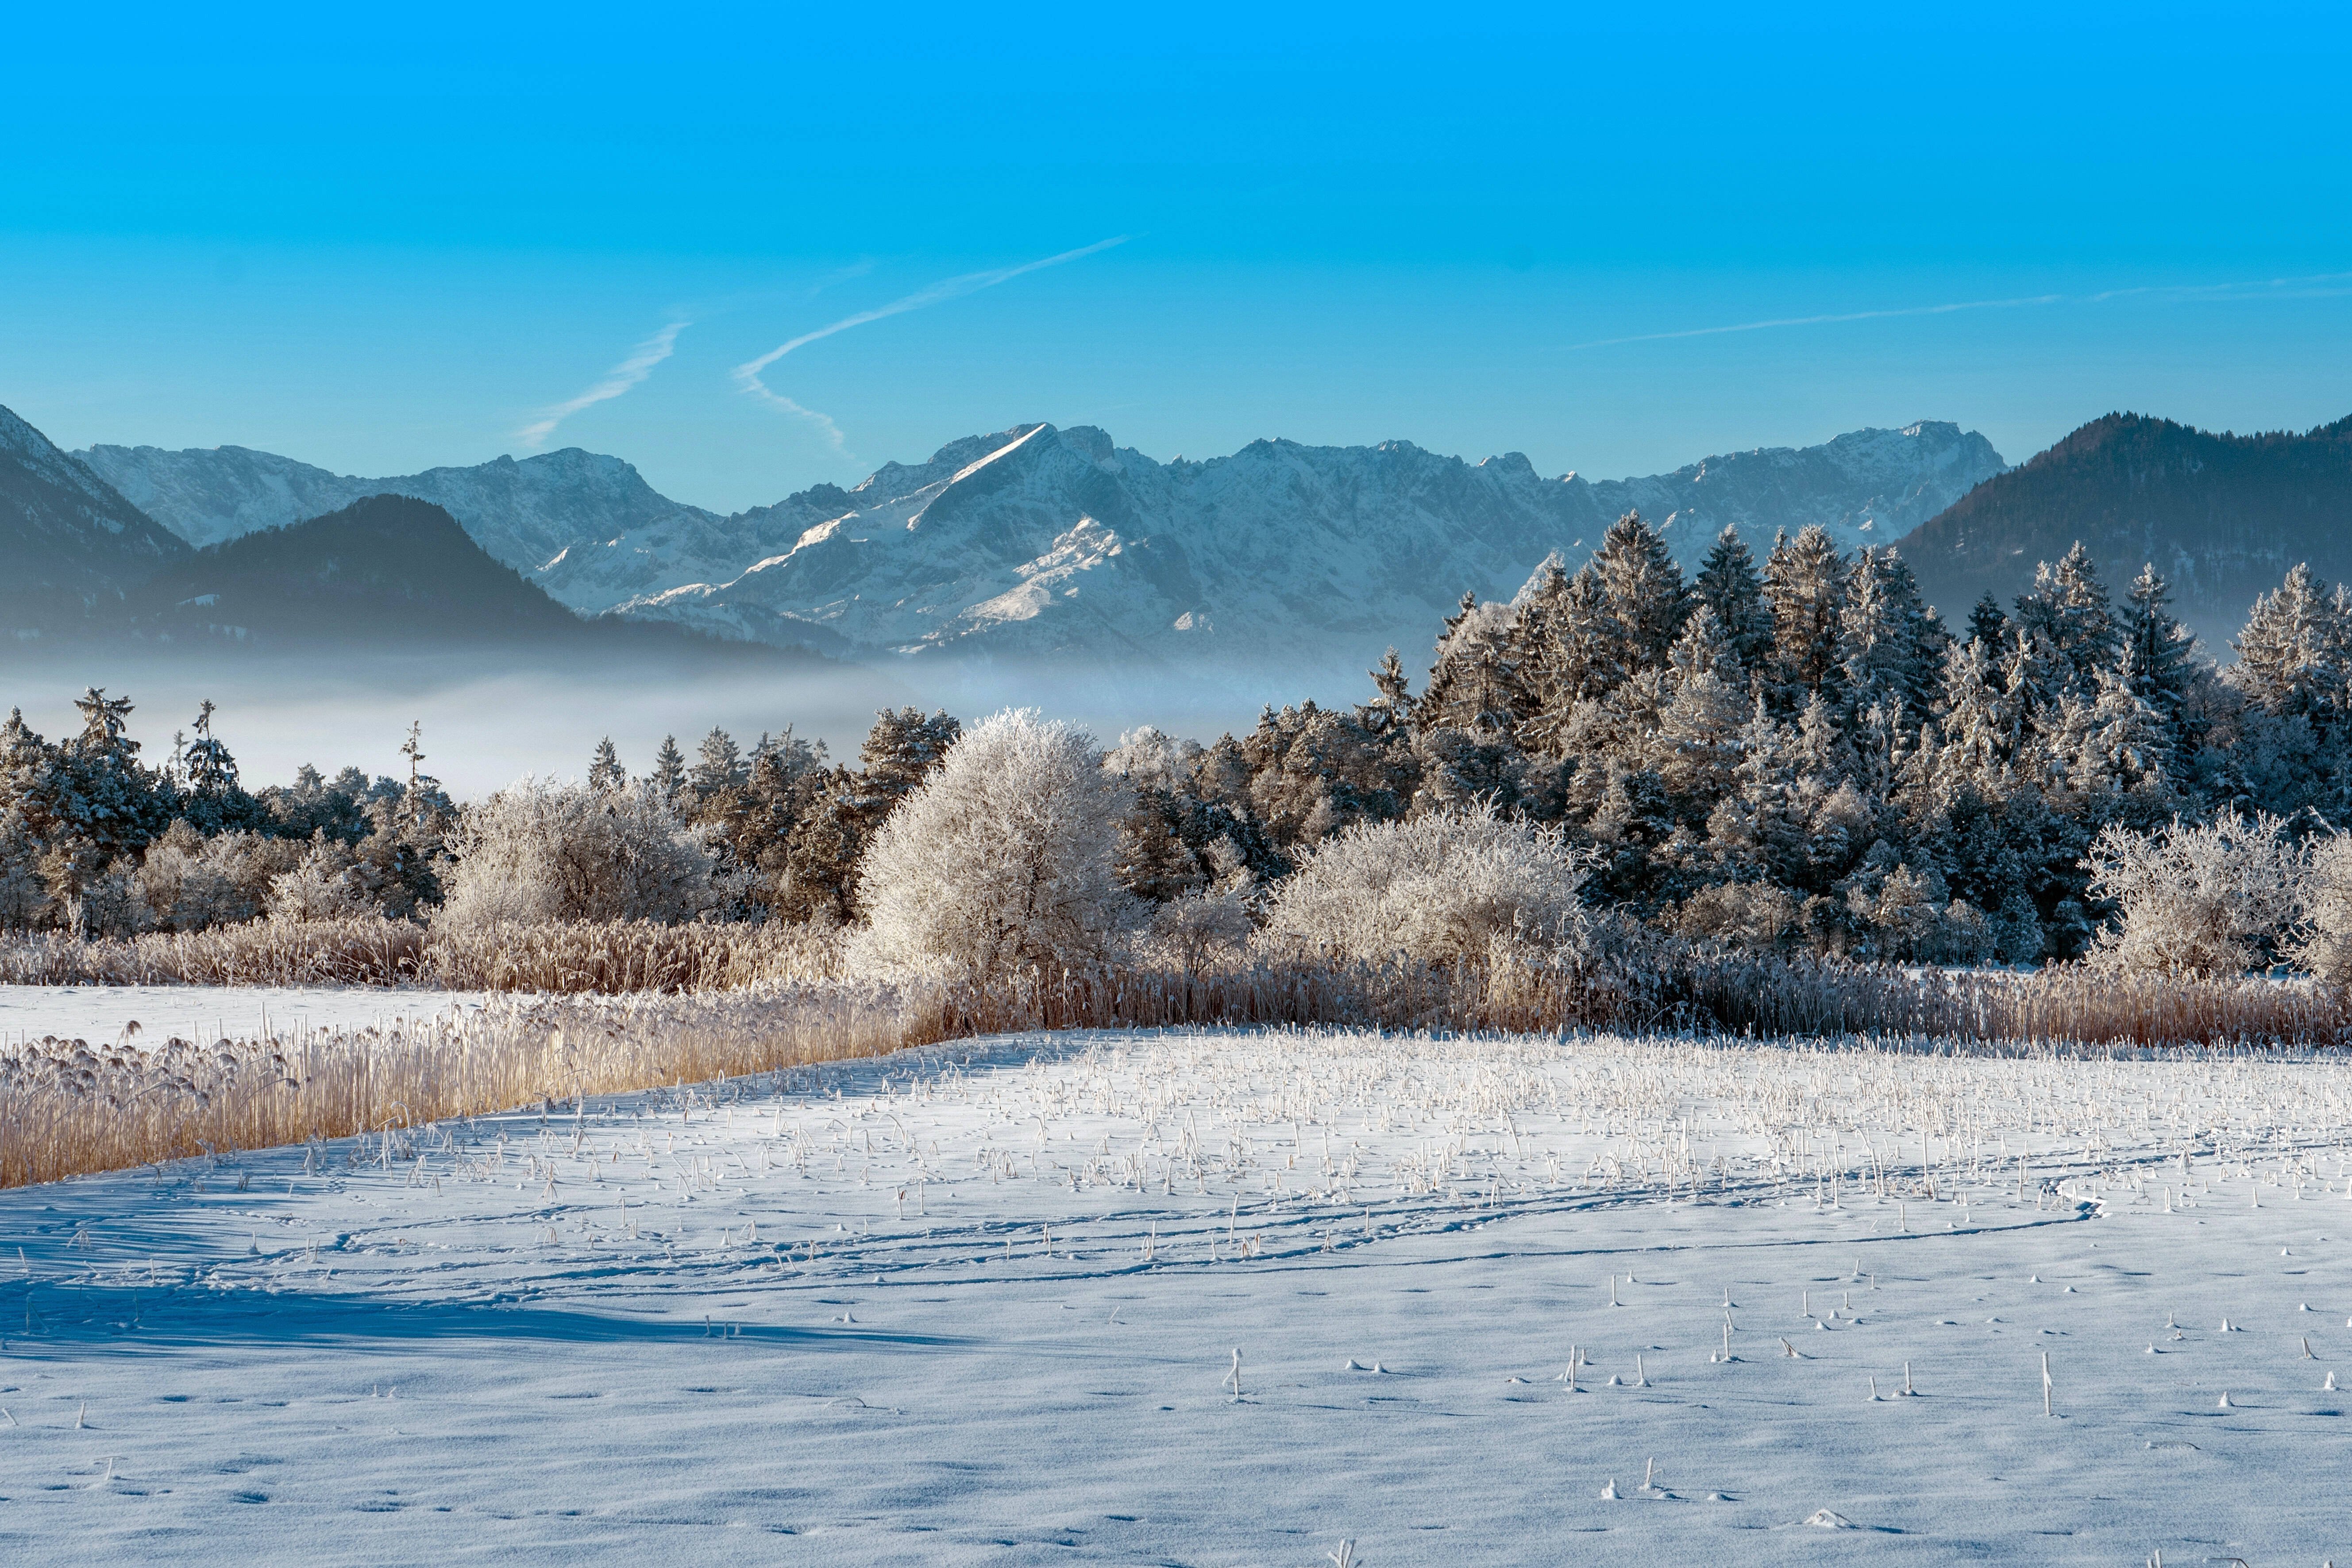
(1262, 575)
(1046, 544)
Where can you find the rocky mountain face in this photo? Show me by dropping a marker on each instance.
(67, 540)
(1277, 565)
(2223, 517)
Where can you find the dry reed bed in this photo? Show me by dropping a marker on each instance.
(558, 957)
(70, 1108)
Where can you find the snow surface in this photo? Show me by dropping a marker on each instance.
(206, 1013)
(981, 1304)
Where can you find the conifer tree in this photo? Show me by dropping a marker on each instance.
(719, 766)
(1391, 709)
(1474, 683)
(1891, 645)
(2068, 613)
(605, 773)
(2292, 655)
(1727, 585)
(2156, 648)
(1805, 590)
(1642, 587)
(1986, 625)
(670, 770)
(211, 771)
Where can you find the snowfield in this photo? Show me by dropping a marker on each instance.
(1222, 1298)
(206, 1013)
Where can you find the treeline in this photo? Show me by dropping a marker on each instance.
(1799, 754)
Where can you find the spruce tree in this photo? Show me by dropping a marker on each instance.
(1391, 709)
(719, 766)
(1891, 645)
(211, 771)
(2292, 655)
(1644, 589)
(605, 773)
(1986, 625)
(1474, 684)
(1729, 585)
(1805, 589)
(2156, 648)
(670, 770)
(2068, 611)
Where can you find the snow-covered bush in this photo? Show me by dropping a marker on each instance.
(1450, 885)
(2325, 945)
(1003, 857)
(542, 851)
(2210, 899)
(321, 886)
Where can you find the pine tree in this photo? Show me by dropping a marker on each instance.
(1474, 683)
(1644, 589)
(2156, 648)
(1391, 709)
(2068, 613)
(670, 770)
(719, 766)
(902, 749)
(1805, 589)
(1891, 645)
(1986, 625)
(2292, 655)
(1729, 585)
(605, 773)
(211, 771)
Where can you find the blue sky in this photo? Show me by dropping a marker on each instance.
(384, 245)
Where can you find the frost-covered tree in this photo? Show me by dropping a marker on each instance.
(1448, 886)
(1476, 683)
(543, 851)
(719, 767)
(1727, 585)
(1805, 590)
(1891, 645)
(2156, 648)
(2325, 945)
(2068, 615)
(2293, 654)
(207, 766)
(2211, 898)
(1643, 590)
(1987, 624)
(605, 772)
(1002, 858)
(668, 777)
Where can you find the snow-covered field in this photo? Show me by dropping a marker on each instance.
(983, 1305)
(205, 1013)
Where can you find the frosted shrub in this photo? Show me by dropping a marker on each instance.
(2197, 900)
(2326, 947)
(1002, 858)
(543, 851)
(1451, 885)
(320, 887)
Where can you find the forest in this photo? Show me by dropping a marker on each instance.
(1795, 757)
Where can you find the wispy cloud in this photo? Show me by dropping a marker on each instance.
(748, 375)
(2317, 286)
(618, 380)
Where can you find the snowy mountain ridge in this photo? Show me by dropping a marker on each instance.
(1040, 543)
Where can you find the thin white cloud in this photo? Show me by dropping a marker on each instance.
(618, 380)
(748, 374)
(2313, 286)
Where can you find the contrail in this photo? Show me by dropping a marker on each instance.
(2275, 288)
(747, 376)
(618, 380)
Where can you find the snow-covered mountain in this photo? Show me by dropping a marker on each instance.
(1043, 544)
(1279, 563)
(534, 515)
(67, 538)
